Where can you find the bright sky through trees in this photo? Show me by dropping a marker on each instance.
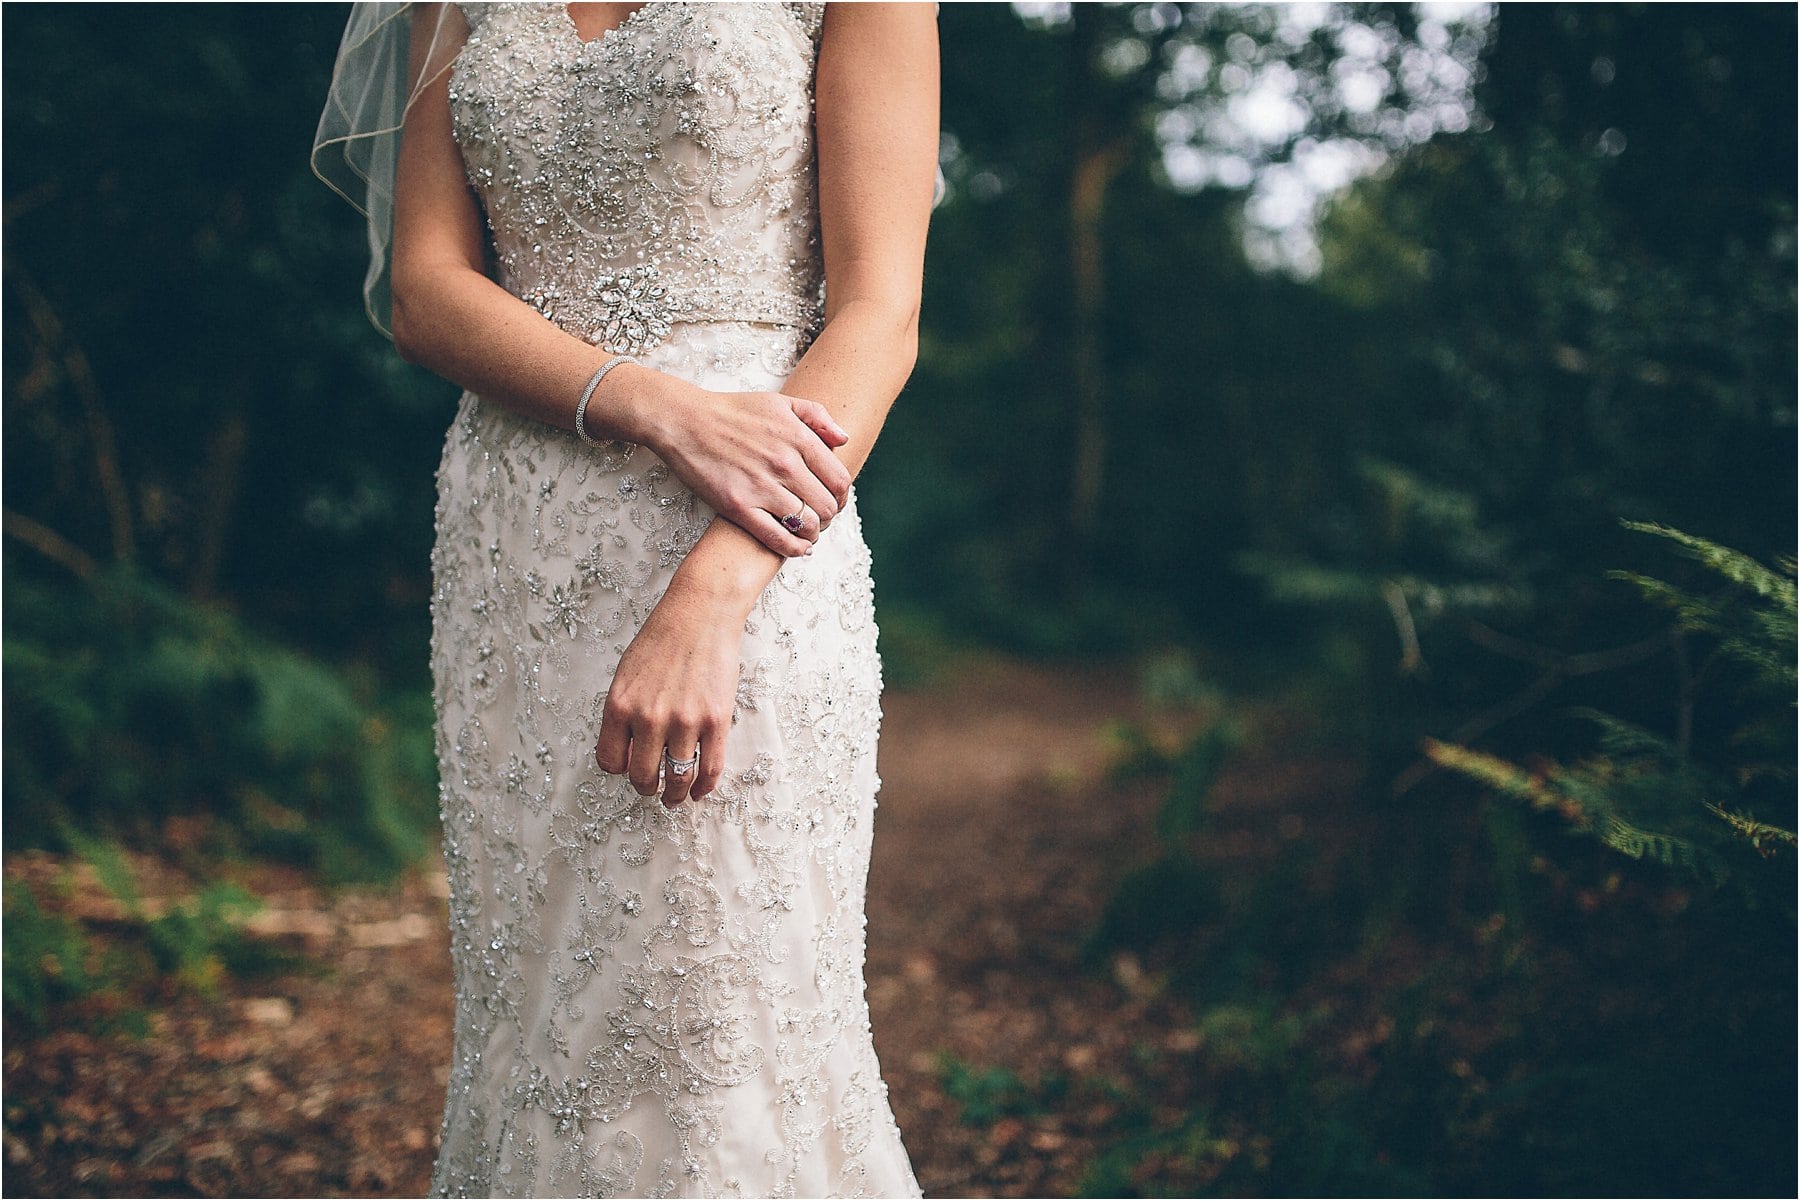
(1234, 111)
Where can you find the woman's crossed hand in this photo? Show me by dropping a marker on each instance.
(761, 459)
(669, 708)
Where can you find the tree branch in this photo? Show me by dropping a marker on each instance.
(50, 544)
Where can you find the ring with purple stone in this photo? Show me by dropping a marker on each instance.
(792, 520)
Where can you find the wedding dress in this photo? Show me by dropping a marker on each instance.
(649, 1002)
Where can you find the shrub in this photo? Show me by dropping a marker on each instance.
(127, 704)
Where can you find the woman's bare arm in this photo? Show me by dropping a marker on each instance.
(749, 455)
(877, 127)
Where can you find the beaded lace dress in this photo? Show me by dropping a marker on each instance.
(648, 1002)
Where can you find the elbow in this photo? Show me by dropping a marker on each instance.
(418, 290)
(404, 346)
(403, 324)
(908, 339)
(898, 315)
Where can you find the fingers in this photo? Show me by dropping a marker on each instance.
(809, 524)
(629, 746)
(680, 762)
(776, 469)
(712, 766)
(697, 751)
(817, 506)
(828, 470)
(762, 521)
(774, 532)
(645, 769)
(818, 418)
(712, 757)
(614, 742)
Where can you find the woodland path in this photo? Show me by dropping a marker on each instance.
(997, 838)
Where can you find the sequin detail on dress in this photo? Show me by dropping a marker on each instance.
(659, 173)
(649, 1003)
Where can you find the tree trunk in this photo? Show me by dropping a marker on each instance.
(1096, 163)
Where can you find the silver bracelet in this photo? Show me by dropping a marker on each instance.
(587, 394)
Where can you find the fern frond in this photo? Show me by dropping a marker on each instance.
(1761, 635)
(1625, 739)
(1734, 565)
(1504, 776)
(1766, 646)
(1584, 797)
(1695, 613)
(1763, 836)
(1666, 849)
(1433, 503)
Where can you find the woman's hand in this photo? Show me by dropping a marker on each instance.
(756, 458)
(675, 689)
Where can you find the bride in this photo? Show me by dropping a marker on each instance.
(673, 253)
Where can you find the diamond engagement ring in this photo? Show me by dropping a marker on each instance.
(792, 520)
(681, 767)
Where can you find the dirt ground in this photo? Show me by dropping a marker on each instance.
(996, 839)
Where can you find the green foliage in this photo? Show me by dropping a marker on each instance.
(1580, 345)
(1759, 634)
(190, 381)
(1648, 796)
(1592, 797)
(126, 704)
(1173, 892)
(986, 1095)
(1276, 1131)
(46, 959)
(1183, 811)
(191, 945)
(1226, 395)
(199, 941)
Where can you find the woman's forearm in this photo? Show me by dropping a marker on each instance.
(753, 456)
(855, 368)
(466, 328)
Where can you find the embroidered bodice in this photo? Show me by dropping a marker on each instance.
(661, 172)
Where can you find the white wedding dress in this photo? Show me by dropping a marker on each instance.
(648, 1002)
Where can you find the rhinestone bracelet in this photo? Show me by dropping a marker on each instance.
(587, 394)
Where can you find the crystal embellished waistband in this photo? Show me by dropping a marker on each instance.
(633, 311)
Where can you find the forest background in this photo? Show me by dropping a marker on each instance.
(1423, 375)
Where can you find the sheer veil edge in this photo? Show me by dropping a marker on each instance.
(390, 54)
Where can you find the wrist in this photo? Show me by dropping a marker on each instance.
(626, 404)
(725, 580)
(655, 406)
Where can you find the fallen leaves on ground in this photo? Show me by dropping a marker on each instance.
(997, 839)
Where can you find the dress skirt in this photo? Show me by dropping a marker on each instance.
(649, 1002)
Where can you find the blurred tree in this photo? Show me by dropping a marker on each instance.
(1101, 311)
(1579, 360)
(1520, 331)
(198, 418)
(190, 382)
